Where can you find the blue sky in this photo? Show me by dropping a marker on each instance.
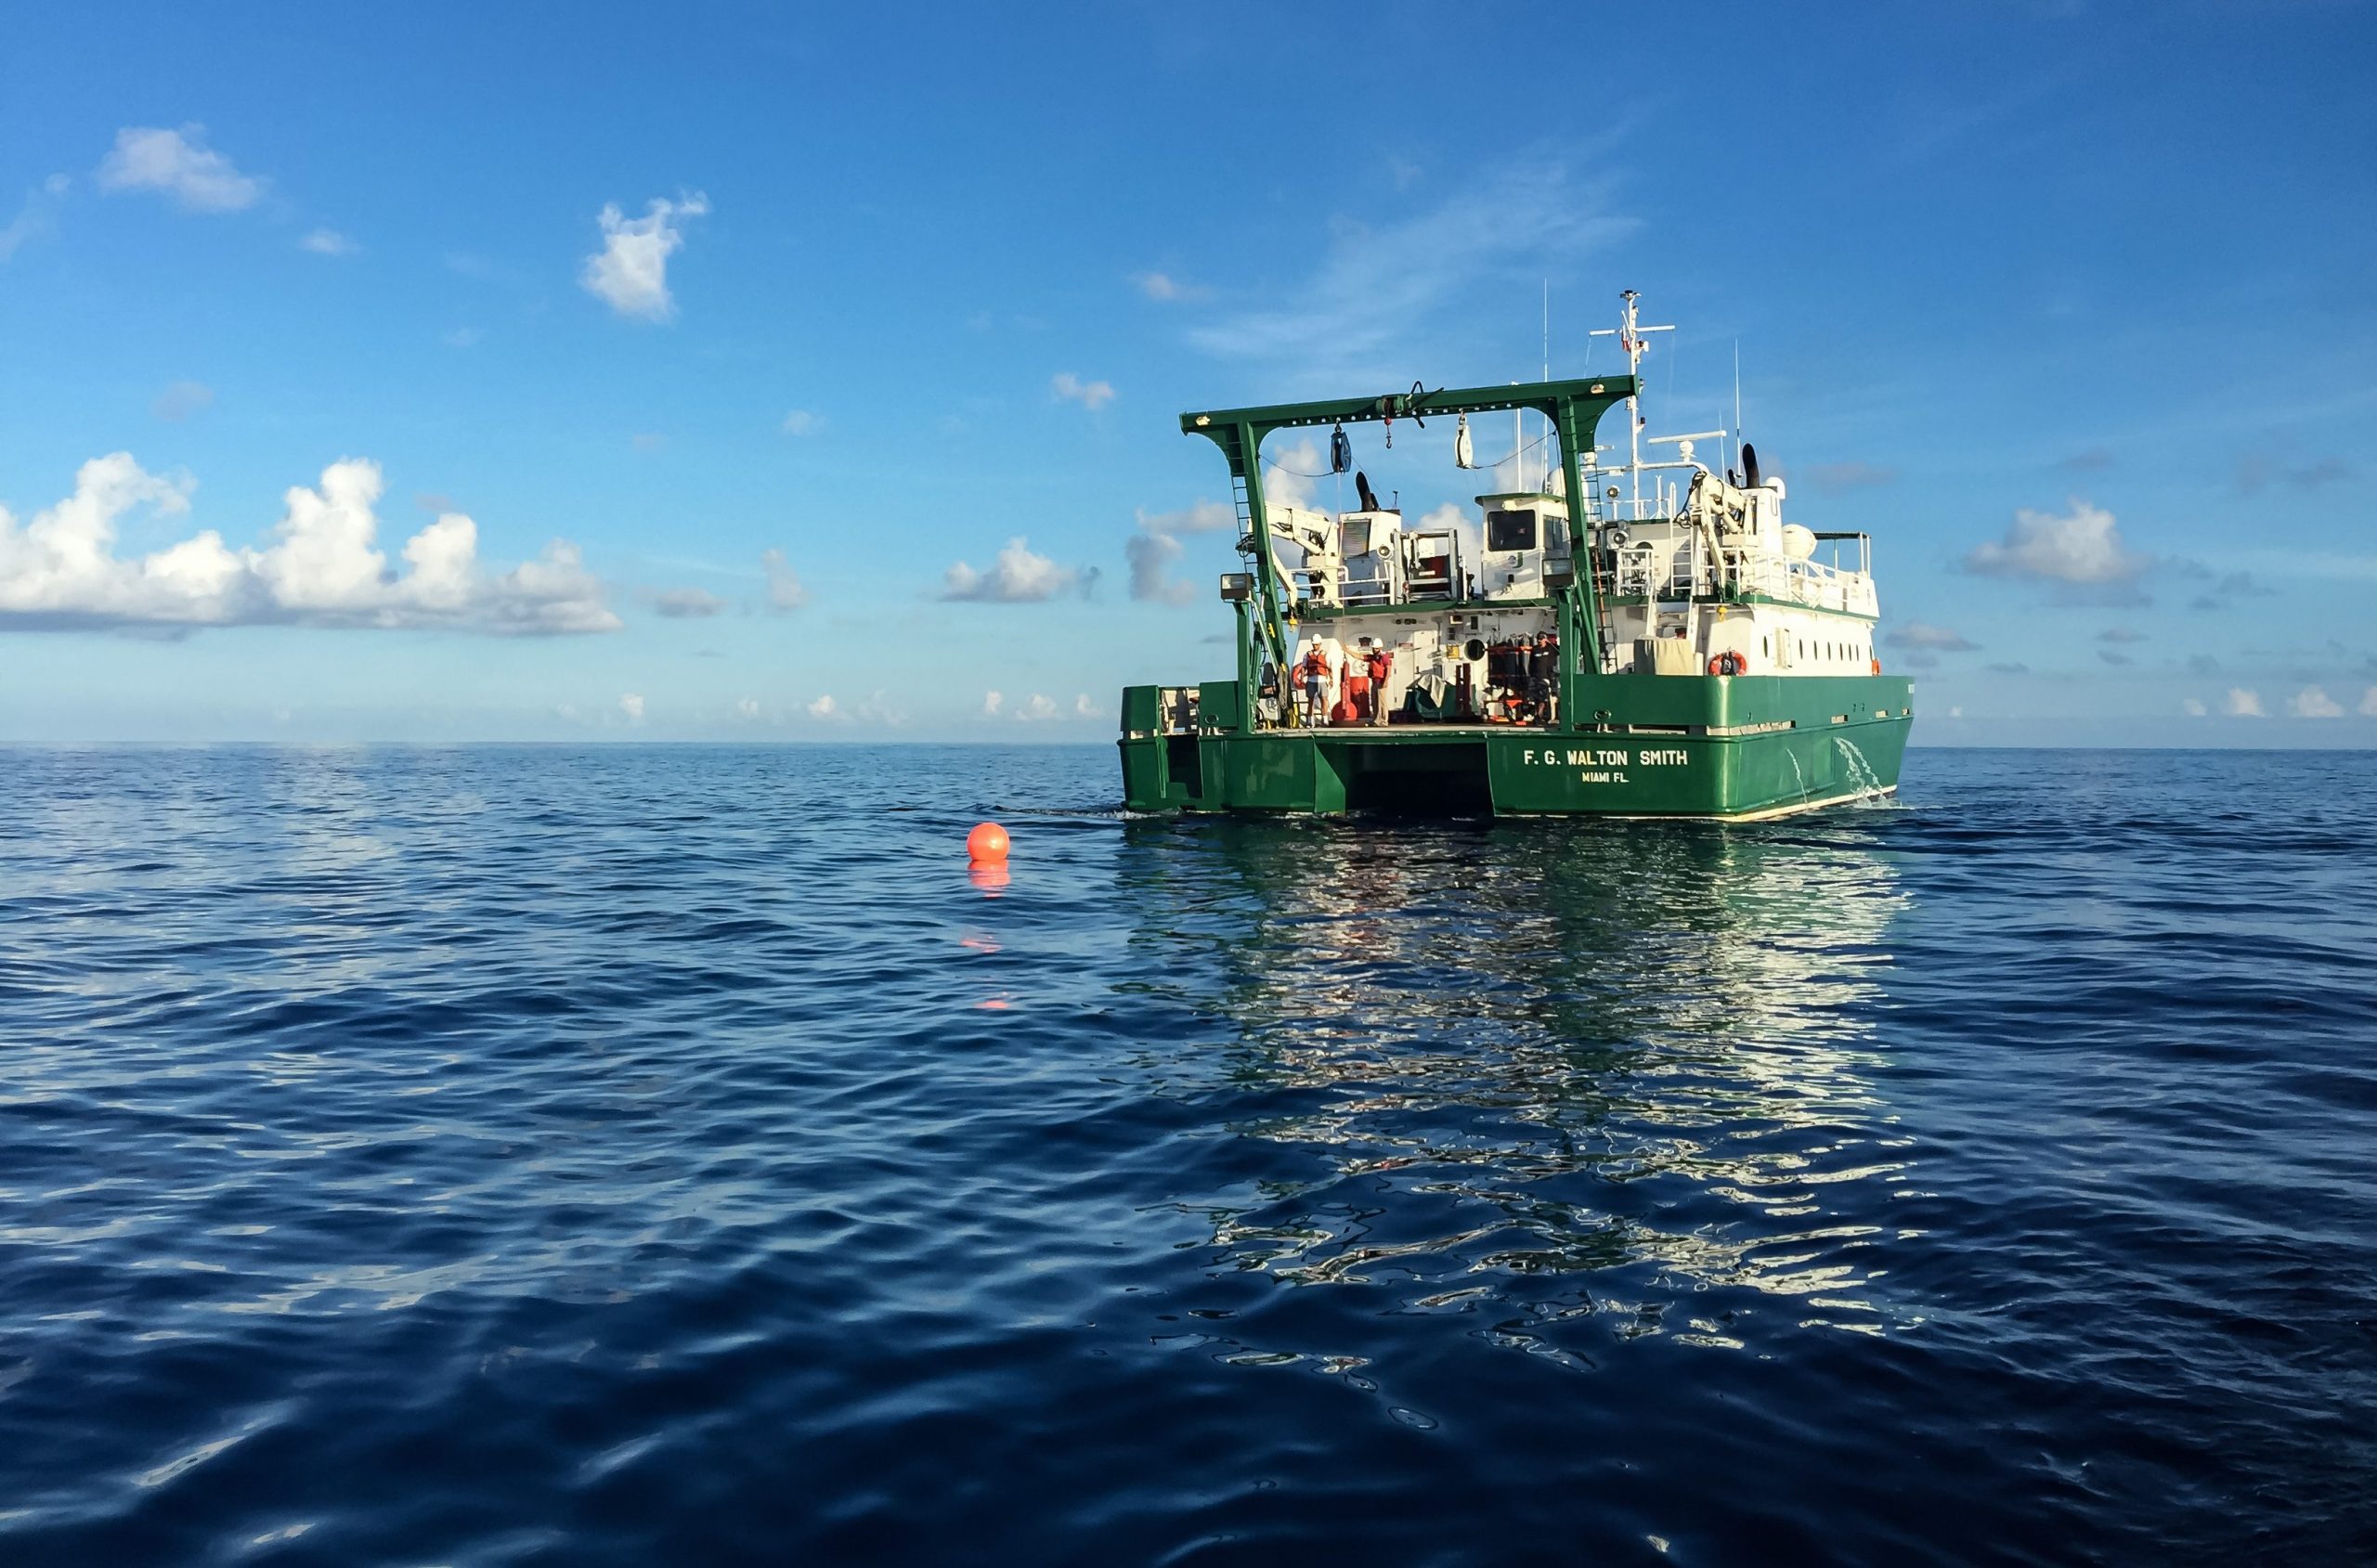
(2073, 306)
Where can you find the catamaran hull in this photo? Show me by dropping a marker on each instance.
(1764, 747)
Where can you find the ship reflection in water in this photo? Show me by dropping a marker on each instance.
(1553, 1073)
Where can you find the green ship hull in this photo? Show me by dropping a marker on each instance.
(1730, 747)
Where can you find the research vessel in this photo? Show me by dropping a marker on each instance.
(1639, 636)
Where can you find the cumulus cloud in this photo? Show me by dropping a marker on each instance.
(1038, 709)
(992, 703)
(2242, 703)
(183, 400)
(1921, 634)
(1089, 394)
(784, 589)
(327, 242)
(1082, 707)
(632, 704)
(801, 422)
(823, 707)
(1163, 286)
(2083, 547)
(1288, 476)
(748, 709)
(2313, 702)
(631, 272)
(1204, 517)
(2368, 707)
(1463, 522)
(1018, 576)
(2192, 708)
(686, 603)
(1153, 549)
(32, 219)
(322, 567)
(178, 164)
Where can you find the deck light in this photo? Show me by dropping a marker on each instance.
(1237, 585)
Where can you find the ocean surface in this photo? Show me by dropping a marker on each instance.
(672, 1154)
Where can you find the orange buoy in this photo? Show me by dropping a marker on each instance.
(987, 844)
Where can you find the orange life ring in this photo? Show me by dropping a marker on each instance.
(1877, 666)
(1728, 663)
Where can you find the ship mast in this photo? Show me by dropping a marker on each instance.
(1628, 333)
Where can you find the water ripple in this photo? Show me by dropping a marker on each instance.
(630, 1154)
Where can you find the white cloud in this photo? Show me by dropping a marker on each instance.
(1153, 549)
(992, 702)
(32, 219)
(2192, 708)
(1083, 708)
(1205, 517)
(1464, 521)
(823, 707)
(328, 243)
(2313, 702)
(632, 704)
(2368, 707)
(1288, 476)
(801, 422)
(631, 272)
(1163, 286)
(1018, 576)
(785, 588)
(1089, 394)
(2242, 703)
(748, 709)
(1038, 709)
(686, 603)
(2084, 547)
(182, 400)
(1921, 634)
(179, 164)
(876, 708)
(1363, 310)
(61, 570)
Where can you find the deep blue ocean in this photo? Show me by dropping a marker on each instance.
(672, 1154)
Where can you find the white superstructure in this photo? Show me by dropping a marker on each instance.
(1696, 573)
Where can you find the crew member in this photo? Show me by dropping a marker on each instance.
(1544, 678)
(1382, 665)
(1313, 676)
(1358, 683)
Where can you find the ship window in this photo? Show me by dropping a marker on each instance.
(1509, 530)
(1766, 647)
(1354, 538)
